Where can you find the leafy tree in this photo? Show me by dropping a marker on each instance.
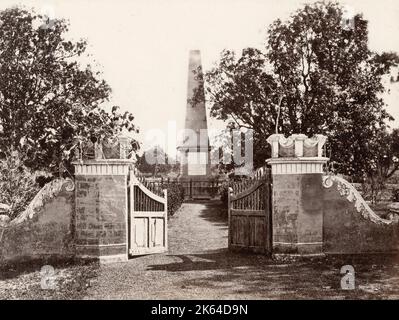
(384, 162)
(18, 185)
(49, 102)
(316, 74)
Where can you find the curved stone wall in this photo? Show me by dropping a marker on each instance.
(350, 225)
(45, 228)
(316, 214)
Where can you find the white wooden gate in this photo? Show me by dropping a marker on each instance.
(148, 220)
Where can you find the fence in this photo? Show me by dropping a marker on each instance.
(193, 189)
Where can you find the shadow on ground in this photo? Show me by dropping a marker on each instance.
(237, 275)
(257, 276)
(214, 212)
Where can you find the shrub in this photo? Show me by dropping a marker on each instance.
(224, 194)
(18, 185)
(175, 197)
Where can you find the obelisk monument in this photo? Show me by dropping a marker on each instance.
(194, 149)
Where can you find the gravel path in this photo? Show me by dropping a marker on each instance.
(198, 266)
(196, 232)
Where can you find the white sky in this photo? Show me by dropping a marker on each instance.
(142, 46)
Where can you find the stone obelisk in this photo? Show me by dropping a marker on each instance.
(194, 149)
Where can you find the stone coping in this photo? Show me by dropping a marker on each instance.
(103, 161)
(297, 160)
(103, 167)
(300, 165)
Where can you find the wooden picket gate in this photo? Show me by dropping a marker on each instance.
(249, 210)
(147, 218)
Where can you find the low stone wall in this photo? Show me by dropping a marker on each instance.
(311, 214)
(350, 226)
(44, 229)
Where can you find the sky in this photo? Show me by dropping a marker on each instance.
(142, 46)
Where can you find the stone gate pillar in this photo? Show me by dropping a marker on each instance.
(297, 168)
(102, 207)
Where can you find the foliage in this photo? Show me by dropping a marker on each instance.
(175, 197)
(383, 162)
(385, 158)
(316, 74)
(223, 191)
(18, 185)
(49, 103)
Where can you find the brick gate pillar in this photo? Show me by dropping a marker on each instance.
(101, 225)
(297, 168)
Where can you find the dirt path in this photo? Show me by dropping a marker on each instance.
(198, 266)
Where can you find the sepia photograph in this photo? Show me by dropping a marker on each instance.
(198, 155)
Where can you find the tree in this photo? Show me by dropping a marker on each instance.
(384, 162)
(316, 74)
(17, 185)
(49, 102)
